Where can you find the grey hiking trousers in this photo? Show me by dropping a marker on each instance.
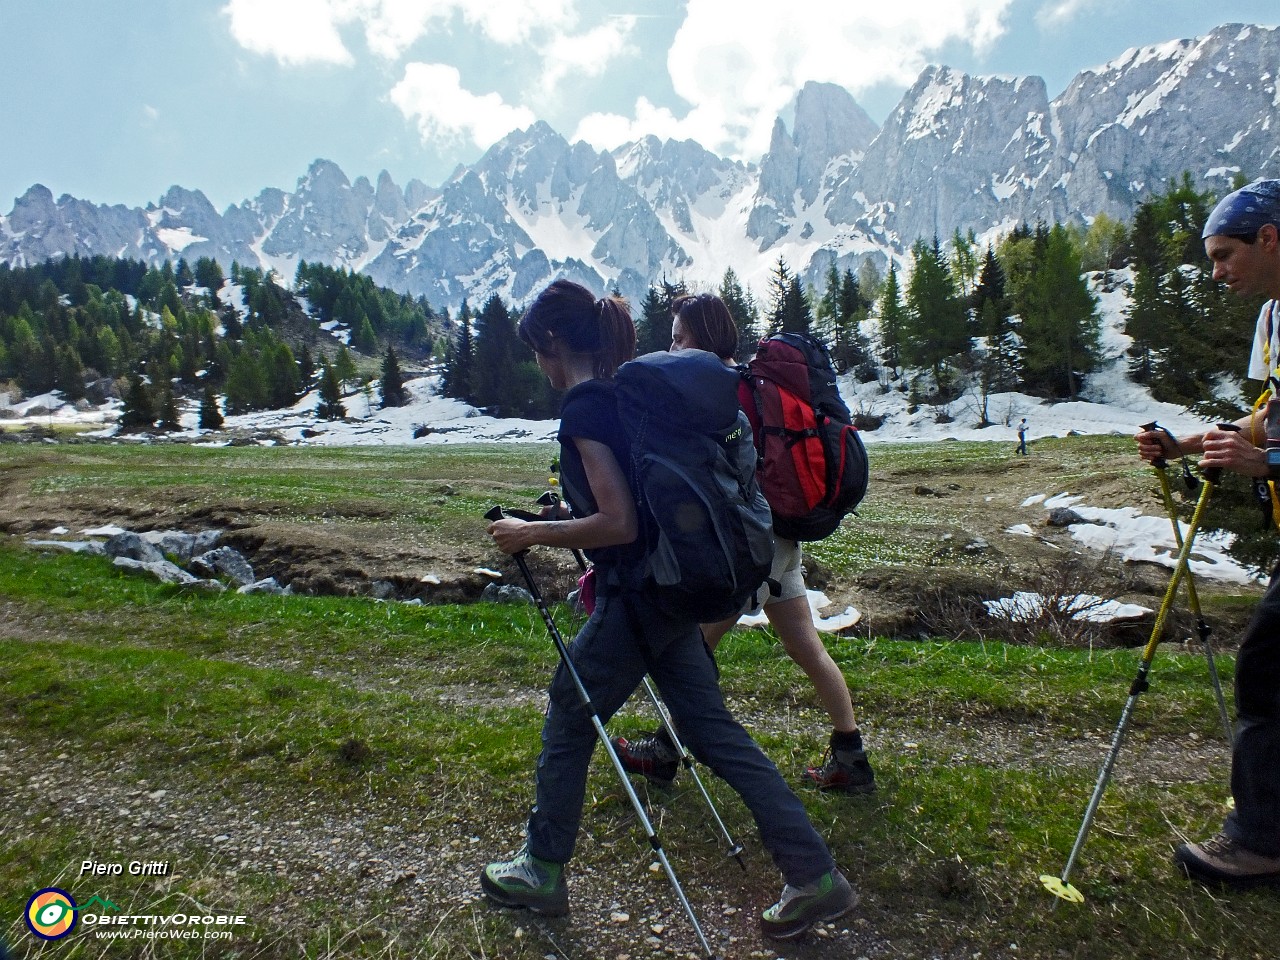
(622, 640)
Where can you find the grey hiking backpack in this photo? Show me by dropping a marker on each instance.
(706, 527)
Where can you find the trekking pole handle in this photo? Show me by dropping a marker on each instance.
(1214, 474)
(1159, 462)
(497, 513)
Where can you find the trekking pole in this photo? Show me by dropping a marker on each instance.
(549, 499)
(1060, 886)
(1202, 626)
(585, 698)
(686, 761)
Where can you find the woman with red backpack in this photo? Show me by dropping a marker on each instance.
(703, 322)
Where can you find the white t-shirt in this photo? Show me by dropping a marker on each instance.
(1265, 357)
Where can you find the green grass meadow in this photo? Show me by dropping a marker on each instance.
(423, 721)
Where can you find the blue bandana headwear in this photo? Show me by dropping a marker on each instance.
(1245, 212)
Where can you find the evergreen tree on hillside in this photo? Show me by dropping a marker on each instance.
(1000, 362)
(246, 387)
(496, 347)
(1060, 328)
(1185, 329)
(280, 370)
(169, 417)
(965, 262)
(344, 367)
(456, 380)
(653, 329)
(306, 367)
(70, 372)
(893, 318)
(936, 327)
(391, 386)
(137, 410)
(210, 415)
(742, 307)
(365, 340)
(208, 274)
(789, 306)
(330, 406)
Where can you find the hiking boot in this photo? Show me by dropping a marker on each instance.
(1222, 860)
(649, 755)
(799, 908)
(846, 770)
(529, 882)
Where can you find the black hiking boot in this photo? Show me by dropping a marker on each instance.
(649, 755)
(799, 908)
(526, 881)
(845, 770)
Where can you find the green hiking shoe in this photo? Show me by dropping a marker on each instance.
(528, 882)
(799, 908)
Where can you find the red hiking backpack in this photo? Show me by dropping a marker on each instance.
(812, 464)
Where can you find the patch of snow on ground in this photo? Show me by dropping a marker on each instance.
(1023, 607)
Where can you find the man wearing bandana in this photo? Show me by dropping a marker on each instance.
(1242, 239)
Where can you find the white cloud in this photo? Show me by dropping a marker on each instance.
(293, 31)
(1057, 12)
(737, 72)
(608, 130)
(512, 22)
(309, 31)
(431, 95)
(586, 54)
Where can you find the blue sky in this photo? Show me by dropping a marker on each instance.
(115, 101)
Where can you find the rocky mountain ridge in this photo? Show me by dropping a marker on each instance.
(959, 151)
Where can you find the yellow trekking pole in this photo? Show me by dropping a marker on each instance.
(1060, 886)
(1202, 627)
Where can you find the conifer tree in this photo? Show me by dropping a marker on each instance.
(893, 318)
(789, 307)
(653, 329)
(1060, 327)
(169, 418)
(70, 372)
(330, 406)
(344, 367)
(246, 387)
(366, 340)
(936, 328)
(306, 367)
(457, 379)
(391, 387)
(210, 415)
(742, 307)
(497, 346)
(137, 410)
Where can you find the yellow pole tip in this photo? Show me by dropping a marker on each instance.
(1061, 889)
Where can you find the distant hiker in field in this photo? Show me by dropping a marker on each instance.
(579, 343)
(1242, 239)
(703, 322)
(1022, 437)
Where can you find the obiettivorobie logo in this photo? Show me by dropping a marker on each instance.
(51, 913)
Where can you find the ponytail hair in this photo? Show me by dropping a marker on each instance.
(707, 322)
(567, 315)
